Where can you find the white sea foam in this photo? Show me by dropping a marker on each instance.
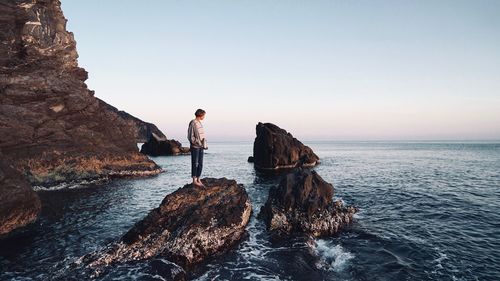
(332, 257)
(358, 215)
(81, 184)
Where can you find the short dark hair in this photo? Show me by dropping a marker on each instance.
(199, 112)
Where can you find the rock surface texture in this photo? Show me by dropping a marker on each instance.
(19, 204)
(144, 129)
(303, 203)
(53, 128)
(157, 146)
(190, 225)
(275, 149)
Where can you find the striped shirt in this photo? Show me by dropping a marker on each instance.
(196, 133)
(199, 127)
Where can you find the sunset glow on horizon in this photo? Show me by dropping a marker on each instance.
(325, 70)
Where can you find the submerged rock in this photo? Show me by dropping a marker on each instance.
(19, 204)
(303, 203)
(276, 149)
(51, 125)
(190, 225)
(158, 146)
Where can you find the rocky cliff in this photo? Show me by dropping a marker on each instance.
(52, 127)
(19, 204)
(144, 129)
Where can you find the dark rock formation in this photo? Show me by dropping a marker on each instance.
(157, 146)
(52, 126)
(190, 225)
(19, 204)
(303, 203)
(250, 159)
(167, 270)
(144, 129)
(275, 149)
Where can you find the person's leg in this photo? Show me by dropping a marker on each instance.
(200, 165)
(194, 161)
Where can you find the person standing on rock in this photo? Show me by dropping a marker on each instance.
(196, 137)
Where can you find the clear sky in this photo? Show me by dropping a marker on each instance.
(340, 70)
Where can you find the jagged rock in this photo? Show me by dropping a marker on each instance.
(276, 149)
(303, 203)
(51, 124)
(19, 204)
(157, 146)
(190, 225)
(144, 129)
(167, 270)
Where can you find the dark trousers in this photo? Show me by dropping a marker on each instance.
(196, 161)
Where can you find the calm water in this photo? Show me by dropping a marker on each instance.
(429, 211)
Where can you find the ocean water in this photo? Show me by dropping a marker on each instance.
(428, 211)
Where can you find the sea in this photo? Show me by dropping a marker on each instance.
(428, 211)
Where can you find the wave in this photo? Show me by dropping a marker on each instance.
(331, 257)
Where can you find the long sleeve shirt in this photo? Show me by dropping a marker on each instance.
(196, 134)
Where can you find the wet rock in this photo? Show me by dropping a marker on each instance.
(190, 225)
(158, 146)
(303, 203)
(167, 270)
(49, 119)
(19, 204)
(276, 149)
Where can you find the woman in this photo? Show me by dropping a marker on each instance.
(196, 137)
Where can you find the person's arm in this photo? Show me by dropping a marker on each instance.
(193, 135)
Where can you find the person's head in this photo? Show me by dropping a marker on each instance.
(200, 114)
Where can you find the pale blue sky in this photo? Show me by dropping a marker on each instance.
(321, 69)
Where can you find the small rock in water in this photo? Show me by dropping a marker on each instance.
(303, 203)
(275, 149)
(157, 146)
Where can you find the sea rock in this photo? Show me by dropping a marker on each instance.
(167, 270)
(19, 204)
(250, 159)
(190, 225)
(276, 149)
(303, 203)
(53, 128)
(158, 146)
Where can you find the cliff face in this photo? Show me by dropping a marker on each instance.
(53, 128)
(144, 129)
(19, 204)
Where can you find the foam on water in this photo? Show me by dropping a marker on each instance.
(333, 257)
(428, 211)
